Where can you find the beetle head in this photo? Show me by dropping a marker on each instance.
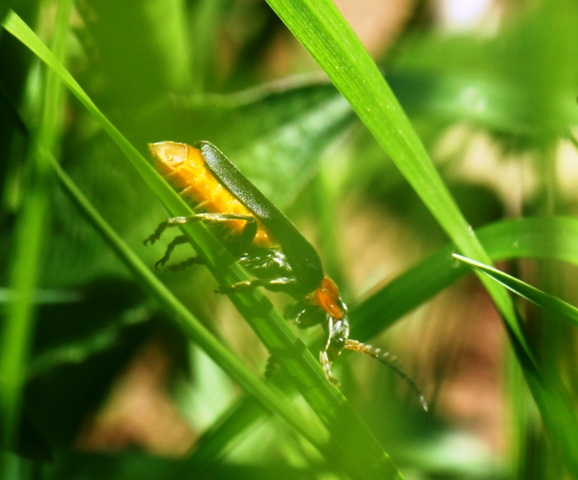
(324, 307)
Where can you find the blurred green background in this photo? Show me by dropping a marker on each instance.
(97, 379)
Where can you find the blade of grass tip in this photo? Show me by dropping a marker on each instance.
(542, 299)
(330, 40)
(28, 245)
(355, 446)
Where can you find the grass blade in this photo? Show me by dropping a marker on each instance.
(548, 302)
(323, 31)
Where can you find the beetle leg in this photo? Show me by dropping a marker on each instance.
(170, 222)
(246, 236)
(324, 355)
(189, 262)
(223, 217)
(170, 247)
(197, 217)
(257, 282)
(271, 368)
(337, 338)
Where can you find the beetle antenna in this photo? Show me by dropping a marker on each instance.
(391, 362)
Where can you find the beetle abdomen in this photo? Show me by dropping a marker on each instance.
(184, 167)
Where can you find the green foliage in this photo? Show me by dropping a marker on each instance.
(79, 298)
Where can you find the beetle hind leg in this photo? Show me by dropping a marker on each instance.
(170, 247)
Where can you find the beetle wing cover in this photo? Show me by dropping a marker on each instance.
(302, 256)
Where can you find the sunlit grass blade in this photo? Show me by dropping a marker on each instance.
(353, 445)
(548, 302)
(330, 40)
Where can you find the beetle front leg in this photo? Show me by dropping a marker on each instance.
(337, 336)
(326, 364)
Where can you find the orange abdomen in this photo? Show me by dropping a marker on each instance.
(184, 167)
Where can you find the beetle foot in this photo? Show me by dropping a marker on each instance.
(151, 239)
(161, 263)
(235, 288)
(271, 368)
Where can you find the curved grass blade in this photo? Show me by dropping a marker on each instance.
(548, 302)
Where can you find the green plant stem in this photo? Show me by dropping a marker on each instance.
(28, 246)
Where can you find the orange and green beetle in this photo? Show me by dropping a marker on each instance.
(263, 240)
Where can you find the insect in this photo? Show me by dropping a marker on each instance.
(263, 240)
